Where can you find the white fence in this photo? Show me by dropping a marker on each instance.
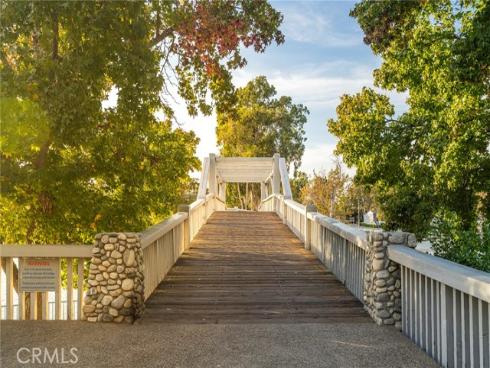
(340, 247)
(165, 242)
(445, 308)
(71, 259)
(162, 245)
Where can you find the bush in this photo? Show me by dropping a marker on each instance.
(469, 247)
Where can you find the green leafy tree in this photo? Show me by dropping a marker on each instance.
(259, 125)
(70, 167)
(298, 183)
(434, 156)
(449, 239)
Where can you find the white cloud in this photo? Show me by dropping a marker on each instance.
(320, 159)
(303, 23)
(320, 86)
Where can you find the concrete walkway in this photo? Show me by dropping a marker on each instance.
(147, 344)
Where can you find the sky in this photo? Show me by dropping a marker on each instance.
(322, 58)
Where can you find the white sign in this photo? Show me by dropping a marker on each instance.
(39, 274)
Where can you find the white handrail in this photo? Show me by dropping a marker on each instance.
(466, 279)
(157, 231)
(356, 236)
(283, 171)
(295, 205)
(204, 179)
(59, 251)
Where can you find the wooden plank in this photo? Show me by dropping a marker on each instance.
(248, 267)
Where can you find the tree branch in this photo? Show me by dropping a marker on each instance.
(161, 36)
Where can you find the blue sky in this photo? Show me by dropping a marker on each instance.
(322, 58)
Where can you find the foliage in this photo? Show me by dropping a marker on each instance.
(262, 124)
(435, 156)
(324, 191)
(245, 196)
(337, 195)
(470, 247)
(298, 183)
(70, 167)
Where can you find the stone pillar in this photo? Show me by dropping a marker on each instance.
(382, 279)
(115, 279)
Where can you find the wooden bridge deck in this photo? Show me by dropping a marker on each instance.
(247, 267)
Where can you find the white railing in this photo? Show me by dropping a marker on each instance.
(340, 247)
(162, 245)
(165, 242)
(71, 261)
(445, 308)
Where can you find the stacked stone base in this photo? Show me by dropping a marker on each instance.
(115, 279)
(382, 280)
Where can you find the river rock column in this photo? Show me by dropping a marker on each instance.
(382, 279)
(115, 279)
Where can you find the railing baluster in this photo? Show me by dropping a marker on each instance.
(32, 306)
(22, 306)
(426, 314)
(69, 288)
(57, 308)
(472, 357)
(21, 300)
(9, 285)
(455, 328)
(480, 331)
(44, 306)
(80, 288)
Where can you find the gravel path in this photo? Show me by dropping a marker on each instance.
(147, 344)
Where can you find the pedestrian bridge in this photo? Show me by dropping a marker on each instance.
(285, 264)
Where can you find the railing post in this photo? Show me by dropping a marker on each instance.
(263, 194)
(276, 175)
(344, 260)
(116, 288)
(382, 278)
(308, 208)
(284, 211)
(187, 228)
(212, 174)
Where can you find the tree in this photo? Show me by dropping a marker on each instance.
(325, 191)
(298, 183)
(435, 156)
(261, 124)
(70, 167)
